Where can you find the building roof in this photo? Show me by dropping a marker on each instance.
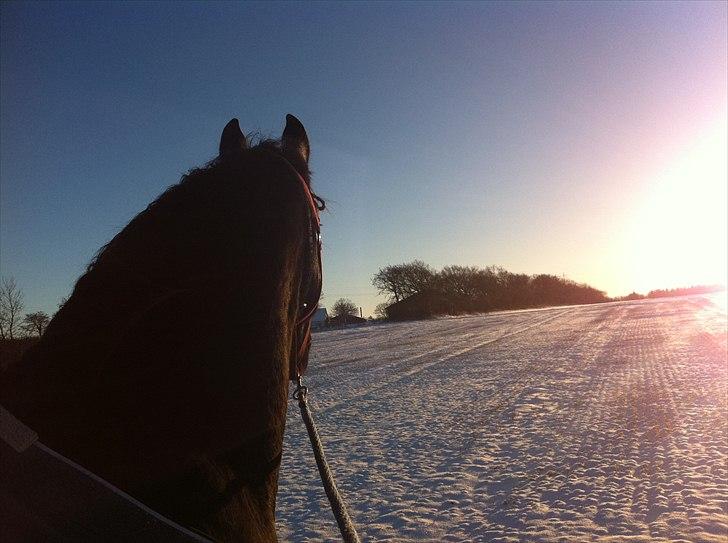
(320, 315)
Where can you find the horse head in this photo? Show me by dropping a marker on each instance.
(166, 372)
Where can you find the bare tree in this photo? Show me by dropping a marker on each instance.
(35, 323)
(403, 280)
(11, 306)
(344, 307)
(389, 281)
(459, 281)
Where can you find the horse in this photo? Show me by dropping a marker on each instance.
(166, 371)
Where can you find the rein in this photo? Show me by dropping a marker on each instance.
(299, 364)
(338, 506)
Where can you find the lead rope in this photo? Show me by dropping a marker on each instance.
(303, 328)
(346, 526)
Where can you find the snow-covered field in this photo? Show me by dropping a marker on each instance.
(593, 423)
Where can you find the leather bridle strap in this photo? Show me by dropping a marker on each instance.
(302, 339)
(302, 332)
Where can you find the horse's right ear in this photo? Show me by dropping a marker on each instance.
(232, 139)
(295, 140)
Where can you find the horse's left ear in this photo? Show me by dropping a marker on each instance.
(295, 140)
(232, 138)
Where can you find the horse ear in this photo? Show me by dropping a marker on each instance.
(295, 140)
(232, 138)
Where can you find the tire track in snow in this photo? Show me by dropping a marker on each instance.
(525, 377)
(606, 424)
(419, 368)
(505, 457)
(502, 414)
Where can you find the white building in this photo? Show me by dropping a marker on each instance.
(319, 318)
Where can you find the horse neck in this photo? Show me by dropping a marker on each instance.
(210, 461)
(178, 395)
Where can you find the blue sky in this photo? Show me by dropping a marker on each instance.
(536, 136)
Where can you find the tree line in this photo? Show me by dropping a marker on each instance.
(471, 289)
(670, 292)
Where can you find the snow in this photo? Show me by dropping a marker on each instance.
(604, 422)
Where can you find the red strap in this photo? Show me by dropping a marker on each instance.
(302, 340)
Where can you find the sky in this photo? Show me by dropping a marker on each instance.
(578, 139)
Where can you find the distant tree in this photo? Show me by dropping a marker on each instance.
(459, 281)
(389, 282)
(418, 277)
(380, 312)
(629, 297)
(11, 306)
(546, 289)
(488, 287)
(552, 290)
(403, 280)
(686, 291)
(344, 307)
(35, 323)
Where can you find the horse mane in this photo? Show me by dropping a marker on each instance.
(191, 182)
(197, 232)
(197, 212)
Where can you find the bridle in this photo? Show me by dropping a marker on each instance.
(307, 309)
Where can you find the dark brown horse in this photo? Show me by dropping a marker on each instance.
(166, 372)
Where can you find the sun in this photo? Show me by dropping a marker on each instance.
(679, 233)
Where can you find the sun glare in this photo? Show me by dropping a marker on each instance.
(679, 235)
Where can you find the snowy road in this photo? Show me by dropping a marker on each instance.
(593, 423)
